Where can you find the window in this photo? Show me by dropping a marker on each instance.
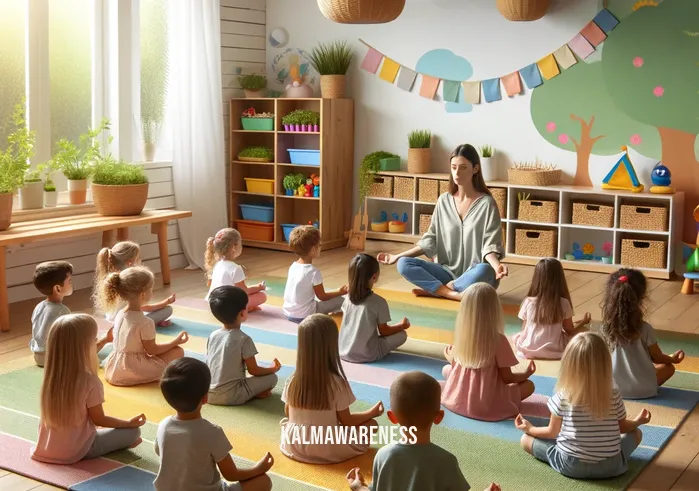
(12, 74)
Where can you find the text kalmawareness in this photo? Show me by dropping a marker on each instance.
(347, 435)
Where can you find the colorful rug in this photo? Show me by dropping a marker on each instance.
(253, 429)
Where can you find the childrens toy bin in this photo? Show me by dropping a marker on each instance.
(302, 156)
(257, 124)
(286, 229)
(251, 230)
(261, 186)
(257, 213)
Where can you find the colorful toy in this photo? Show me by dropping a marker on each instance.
(309, 188)
(661, 178)
(588, 250)
(380, 225)
(608, 249)
(397, 225)
(623, 176)
(301, 190)
(315, 223)
(692, 273)
(316, 185)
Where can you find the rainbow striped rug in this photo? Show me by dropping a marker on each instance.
(486, 451)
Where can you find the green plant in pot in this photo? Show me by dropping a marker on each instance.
(332, 61)
(256, 154)
(419, 154)
(31, 195)
(371, 164)
(253, 84)
(292, 182)
(488, 168)
(118, 188)
(14, 163)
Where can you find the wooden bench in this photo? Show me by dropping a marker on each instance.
(72, 226)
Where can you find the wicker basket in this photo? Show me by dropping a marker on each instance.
(425, 221)
(538, 211)
(5, 212)
(404, 188)
(332, 86)
(643, 253)
(361, 11)
(534, 177)
(382, 187)
(518, 10)
(635, 217)
(419, 160)
(500, 197)
(535, 243)
(593, 214)
(443, 187)
(428, 190)
(120, 201)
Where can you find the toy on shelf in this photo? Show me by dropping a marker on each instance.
(315, 223)
(397, 225)
(315, 178)
(587, 253)
(661, 178)
(380, 225)
(623, 176)
(308, 188)
(692, 273)
(608, 249)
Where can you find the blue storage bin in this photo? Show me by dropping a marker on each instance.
(300, 156)
(287, 228)
(258, 213)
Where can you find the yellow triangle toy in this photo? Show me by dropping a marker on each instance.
(623, 176)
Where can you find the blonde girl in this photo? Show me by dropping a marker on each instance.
(547, 314)
(136, 358)
(365, 334)
(479, 379)
(589, 435)
(318, 394)
(117, 258)
(72, 397)
(221, 250)
(638, 364)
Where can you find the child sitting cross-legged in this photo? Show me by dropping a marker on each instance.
(190, 447)
(304, 283)
(417, 465)
(229, 351)
(589, 435)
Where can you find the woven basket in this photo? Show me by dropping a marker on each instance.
(634, 217)
(500, 197)
(332, 86)
(382, 187)
(427, 190)
(419, 160)
(593, 215)
(404, 188)
(120, 201)
(361, 11)
(518, 10)
(534, 177)
(643, 253)
(535, 243)
(538, 211)
(425, 221)
(443, 187)
(5, 212)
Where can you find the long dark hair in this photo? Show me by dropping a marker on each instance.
(548, 286)
(622, 307)
(471, 154)
(362, 267)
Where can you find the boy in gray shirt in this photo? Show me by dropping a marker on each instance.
(192, 450)
(421, 466)
(229, 351)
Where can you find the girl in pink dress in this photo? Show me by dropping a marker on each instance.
(547, 314)
(136, 358)
(318, 395)
(72, 397)
(479, 380)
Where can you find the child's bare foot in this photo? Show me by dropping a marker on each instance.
(255, 309)
(264, 395)
(165, 323)
(419, 292)
(136, 443)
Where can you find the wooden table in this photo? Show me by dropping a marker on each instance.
(72, 226)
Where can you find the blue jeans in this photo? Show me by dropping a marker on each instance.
(430, 276)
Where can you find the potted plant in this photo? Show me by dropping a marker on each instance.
(332, 61)
(253, 85)
(31, 195)
(490, 173)
(419, 157)
(291, 121)
(251, 120)
(309, 120)
(14, 163)
(118, 188)
(292, 182)
(50, 194)
(256, 154)
(371, 164)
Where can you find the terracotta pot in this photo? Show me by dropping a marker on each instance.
(120, 200)
(332, 86)
(77, 191)
(5, 211)
(31, 195)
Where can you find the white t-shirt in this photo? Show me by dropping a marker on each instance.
(43, 317)
(299, 296)
(225, 273)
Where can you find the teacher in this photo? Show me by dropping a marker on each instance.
(465, 236)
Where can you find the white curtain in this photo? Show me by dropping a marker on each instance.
(197, 122)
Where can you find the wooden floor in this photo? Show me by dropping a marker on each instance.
(675, 469)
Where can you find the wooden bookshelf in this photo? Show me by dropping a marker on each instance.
(335, 140)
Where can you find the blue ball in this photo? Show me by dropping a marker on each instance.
(661, 175)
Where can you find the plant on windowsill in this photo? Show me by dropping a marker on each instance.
(50, 194)
(253, 84)
(332, 61)
(419, 157)
(14, 163)
(31, 195)
(118, 188)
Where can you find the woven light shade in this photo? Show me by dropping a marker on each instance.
(519, 10)
(361, 11)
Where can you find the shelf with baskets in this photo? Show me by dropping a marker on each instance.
(259, 206)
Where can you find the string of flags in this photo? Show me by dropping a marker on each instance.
(583, 44)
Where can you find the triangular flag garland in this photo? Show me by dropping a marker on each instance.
(533, 75)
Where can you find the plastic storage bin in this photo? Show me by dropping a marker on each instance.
(390, 163)
(257, 213)
(257, 124)
(262, 186)
(299, 156)
(250, 230)
(286, 229)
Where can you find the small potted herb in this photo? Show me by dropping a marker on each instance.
(31, 194)
(251, 120)
(50, 194)
(256, 154)
(301, 120)
(119, 188)
(332, 61)
(292, 182)
(419, 156)
(291, 121)
(253, 84)
(14, 163)
(487, 165)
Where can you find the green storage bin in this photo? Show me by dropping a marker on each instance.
(258, 124)
(391, 163)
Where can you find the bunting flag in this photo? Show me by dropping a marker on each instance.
(581, 46)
